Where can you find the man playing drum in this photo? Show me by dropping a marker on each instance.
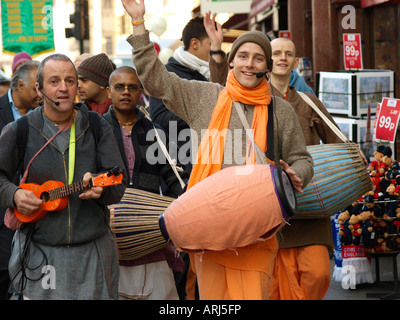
(302, 269)
(242, 273)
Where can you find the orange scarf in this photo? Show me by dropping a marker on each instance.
(211, 150)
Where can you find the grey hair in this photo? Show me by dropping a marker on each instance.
(55, 56)
(23, 74)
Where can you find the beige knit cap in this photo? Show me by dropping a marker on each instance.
(255, 36)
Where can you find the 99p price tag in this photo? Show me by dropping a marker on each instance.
(352, 51)
(387, 120)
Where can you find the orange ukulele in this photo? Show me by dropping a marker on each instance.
(55, 194)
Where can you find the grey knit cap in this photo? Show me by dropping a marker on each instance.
(97, 68)
(255, 36)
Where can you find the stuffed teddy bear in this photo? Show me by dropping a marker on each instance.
(341, 219)
(376, 179)
(387, 161)
(355, 228)
(344, 231)
(390, 199)
(378, 155)
(398, 213)
(390, 175)
(366, 220)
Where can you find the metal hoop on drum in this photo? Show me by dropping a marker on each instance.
(285, 191)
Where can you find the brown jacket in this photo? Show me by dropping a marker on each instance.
(303, 232)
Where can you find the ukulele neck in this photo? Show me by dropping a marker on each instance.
(65, 191)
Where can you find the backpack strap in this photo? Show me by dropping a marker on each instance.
(94, 123)
(94, 120)
(23, 131)
(270, 154)
(22, 140)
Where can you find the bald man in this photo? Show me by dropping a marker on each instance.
(302, 268)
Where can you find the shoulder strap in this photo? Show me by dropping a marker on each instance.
(324, 117)
(94, 123)
(270, 132)
(172, 162)
(94, 120)
(22, 140)
(260, 156)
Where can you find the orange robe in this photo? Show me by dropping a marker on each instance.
(240, 274)
(301, 273)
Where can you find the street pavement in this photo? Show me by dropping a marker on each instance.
(384, 287)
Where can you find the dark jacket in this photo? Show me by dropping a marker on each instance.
(158, 112)
(6, 115)
(162, 116)
(82, 220)
(146, 174)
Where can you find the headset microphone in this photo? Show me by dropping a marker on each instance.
(55, 102)
(270, 65)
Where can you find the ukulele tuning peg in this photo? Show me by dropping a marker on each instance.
(114, 171)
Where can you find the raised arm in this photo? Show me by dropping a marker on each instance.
(189, 100)
(136, 11)
(218, 61)
(214, 31)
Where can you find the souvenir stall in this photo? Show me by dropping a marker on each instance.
(362, 104)
(370, 227)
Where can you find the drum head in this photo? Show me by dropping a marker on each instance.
(285, 190)
(163, 227)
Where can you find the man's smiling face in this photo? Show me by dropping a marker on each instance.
(248, 61)
(284, 57)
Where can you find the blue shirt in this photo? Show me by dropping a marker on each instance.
(14, 109)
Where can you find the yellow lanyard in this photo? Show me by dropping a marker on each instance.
(71, 164)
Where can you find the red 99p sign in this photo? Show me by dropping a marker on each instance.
(387, 119)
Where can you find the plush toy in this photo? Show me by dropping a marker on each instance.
(378, 155)
(385, 181)
(376, 179)
(393, 172)
(397, 191)
(398, 213)
(384, 246)
(393, 244)
(378, 246)
(381, 229)
(397, 244)
(367, 202)
(365, 218)
(387, 161)
(344, 231)
(342, 218)
(390, 199)
(390, 175)
(355, 228)
(374, 220)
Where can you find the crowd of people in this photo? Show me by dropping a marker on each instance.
(87, 116)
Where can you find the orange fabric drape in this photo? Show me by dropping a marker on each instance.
(246, 278)
(300, 274)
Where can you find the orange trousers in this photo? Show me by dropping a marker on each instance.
(300, 274)
(240, 275)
